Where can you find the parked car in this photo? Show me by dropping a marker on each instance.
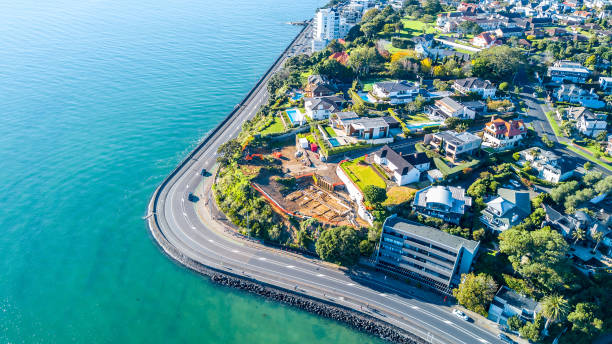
(192, 197)
(459, 314)
(204, 172)
(505, 338)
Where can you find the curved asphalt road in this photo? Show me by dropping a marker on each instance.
(191, 231)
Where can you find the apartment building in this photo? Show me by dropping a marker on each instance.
(571, 93)
(424, 254)
(562, 71)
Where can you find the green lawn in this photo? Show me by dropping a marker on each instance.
(418, 118)
(398, 195)
(275, 127)
(330, 131)
(367, 85)
(590, 157)
(448, 171)
(362, 175)
(553, 123)
(415, 28)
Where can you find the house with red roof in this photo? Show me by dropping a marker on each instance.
(499, 134)
(485, 40)
(341, 57)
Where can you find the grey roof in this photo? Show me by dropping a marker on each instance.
(514, 299)
(395, 158)
(470, 83)
(368, 122)
(456, 138)
(417, 158)
(518, 198)
(451, 103)
(326, 103)
(391, 121)
(318, 79)
(346, 115)
(396, 86)
(433, 234)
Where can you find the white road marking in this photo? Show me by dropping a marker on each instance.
(290, 266)
(235, 251)
(482, 340)
(261, 258)
(350, 284)
(211, 240)
(414, 307)
(448, 322)
(185, 214)
(193, 227)
(382, 294)
(320, 275)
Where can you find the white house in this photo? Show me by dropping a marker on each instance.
(403, 171)
(502, 135)
(454, 145)
(396, 92)
(562, 71)
(483, 87)
(508, 303)
(550, 166)
(448, 107)
(591, 124)
(573, 94)
(605, 83)
(484, 40)
(319, 108)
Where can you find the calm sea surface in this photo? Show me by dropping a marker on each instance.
(99, 100)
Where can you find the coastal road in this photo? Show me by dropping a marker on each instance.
(191, 231)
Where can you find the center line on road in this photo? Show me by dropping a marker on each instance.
(382, 294)
(414, 307)
(290, 266)
(350, 284)
(482, 340)
(320, 275)
(448, 322)
(261, 258)
(235, 251)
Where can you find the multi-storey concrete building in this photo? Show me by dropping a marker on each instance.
(562, 71)
(454, 145)
(424, 254)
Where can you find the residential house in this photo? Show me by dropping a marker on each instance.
(566, 225)
(550, 166)
(396, 92)
(483, 87)
(319, 108)
(507, 32)
(341, 56)
(508, 209)
(605, 83)
(501, 135)
(571, 93)
(448, 107)
(403, 171)
(591, 124)
(454, 145)
(363, 128)
(484, 40)
(447, 203)
(319, 86)
(562, 71)
(609, 146)
(424, 254)
(508, 303)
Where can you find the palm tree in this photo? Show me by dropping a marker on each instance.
(578, 235)
(597, 236)
(555, 308)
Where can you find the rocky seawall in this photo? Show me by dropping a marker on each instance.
(356, 320)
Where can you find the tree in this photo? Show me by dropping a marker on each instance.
(597, 236)
(475, 292)
(339, 245)
(361, 59)
(374, 194)
(578, 234)
(592, 177)
(516, 156)
(497, 63)
(531, 331)
(504, 86)
(515, 323)
(229, 152)
(538, 255)
(432, 7)
(555, 308)
(585, 319)
(587, 165)
(334, 46)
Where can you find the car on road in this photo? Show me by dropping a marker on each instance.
(204, 172)
(192, 197)
(505, 338)
(459, 314)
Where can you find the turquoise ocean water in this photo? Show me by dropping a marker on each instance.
(99, 100)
